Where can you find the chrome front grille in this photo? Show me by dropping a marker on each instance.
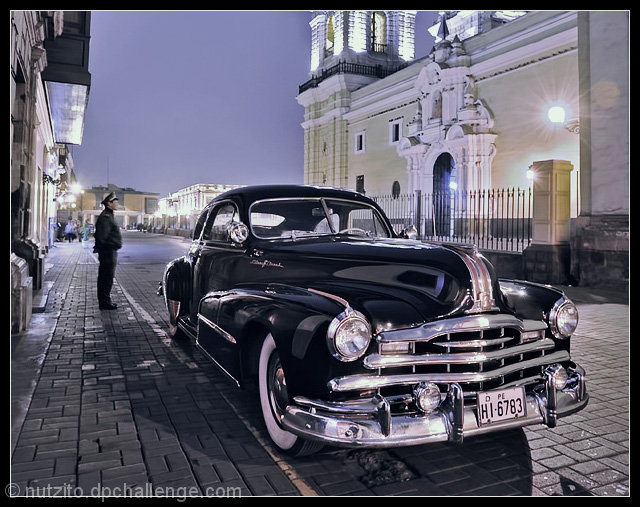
(478, 352)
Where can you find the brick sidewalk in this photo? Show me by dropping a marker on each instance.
(118, 405)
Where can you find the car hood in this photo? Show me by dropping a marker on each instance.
(395, 283)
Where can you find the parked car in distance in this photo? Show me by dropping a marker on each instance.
(358, 337)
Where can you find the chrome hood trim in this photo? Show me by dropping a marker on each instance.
(459, 324)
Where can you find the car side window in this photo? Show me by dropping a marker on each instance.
(200, 223)
(219, 219)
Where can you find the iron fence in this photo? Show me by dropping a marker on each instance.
(495, 219)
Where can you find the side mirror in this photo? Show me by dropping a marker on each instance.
(410, 232)
(238, 232)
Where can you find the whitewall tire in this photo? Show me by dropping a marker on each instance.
(274, 399)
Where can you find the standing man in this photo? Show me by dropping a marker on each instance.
(108, 242)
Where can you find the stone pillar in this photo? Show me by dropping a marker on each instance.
(547, 259)
(600, 240)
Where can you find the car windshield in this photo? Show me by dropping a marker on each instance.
(297, 218)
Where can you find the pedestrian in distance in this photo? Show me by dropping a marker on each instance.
(86, 232)
(70, 231)
(108, 242)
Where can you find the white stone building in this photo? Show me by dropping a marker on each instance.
(48, 92)
(179, 210)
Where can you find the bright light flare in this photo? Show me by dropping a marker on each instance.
(556, 114)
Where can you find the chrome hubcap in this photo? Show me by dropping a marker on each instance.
(278, 395)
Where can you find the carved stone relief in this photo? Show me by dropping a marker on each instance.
(449, 119)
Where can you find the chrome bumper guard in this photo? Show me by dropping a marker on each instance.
(370, 423)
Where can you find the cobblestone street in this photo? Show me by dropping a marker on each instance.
(103, 401)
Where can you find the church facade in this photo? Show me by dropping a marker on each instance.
(472, 114)
(500, 96)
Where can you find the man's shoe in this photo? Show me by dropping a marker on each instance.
(108, 306)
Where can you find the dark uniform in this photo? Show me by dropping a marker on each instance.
(108, 242)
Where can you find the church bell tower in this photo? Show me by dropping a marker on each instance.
(349, 50)
(377, 38)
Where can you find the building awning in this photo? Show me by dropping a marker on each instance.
(68, 105)
(66, 76)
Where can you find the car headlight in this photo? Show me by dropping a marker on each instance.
(348, 336)
(563, 318)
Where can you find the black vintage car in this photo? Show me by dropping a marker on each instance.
(358, 337)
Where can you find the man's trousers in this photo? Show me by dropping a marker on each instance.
(106, 271)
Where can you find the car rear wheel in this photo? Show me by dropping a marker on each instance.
(173, 330)
(274, 399)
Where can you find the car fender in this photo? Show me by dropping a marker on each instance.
(529, 300)
(297, 319)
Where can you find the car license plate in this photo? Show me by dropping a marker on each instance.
(500, 405)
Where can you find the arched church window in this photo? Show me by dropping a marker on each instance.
(379, 32)
(329, 43)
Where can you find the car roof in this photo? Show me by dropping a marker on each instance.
(258, 192)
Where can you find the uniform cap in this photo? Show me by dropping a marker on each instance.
(109, 198)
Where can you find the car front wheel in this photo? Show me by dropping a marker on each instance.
(274, 399)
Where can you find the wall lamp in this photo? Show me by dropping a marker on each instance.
(557, 114)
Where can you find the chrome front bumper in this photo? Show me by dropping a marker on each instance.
(370, 423)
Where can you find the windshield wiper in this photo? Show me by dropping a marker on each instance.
(294, 234)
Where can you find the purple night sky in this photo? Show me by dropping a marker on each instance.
(185, 97)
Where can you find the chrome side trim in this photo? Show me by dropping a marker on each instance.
(460, 324)
(219, 366)
(363, 382)
(217, 329)
(374, 361)
(188, 329)
(338, 299)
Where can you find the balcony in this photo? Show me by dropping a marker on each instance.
(350, 68)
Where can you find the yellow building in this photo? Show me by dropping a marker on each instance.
(134, 207)
(473, 111)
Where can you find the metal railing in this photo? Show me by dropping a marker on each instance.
(350, 68)
(495, 219)
(379, 48)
